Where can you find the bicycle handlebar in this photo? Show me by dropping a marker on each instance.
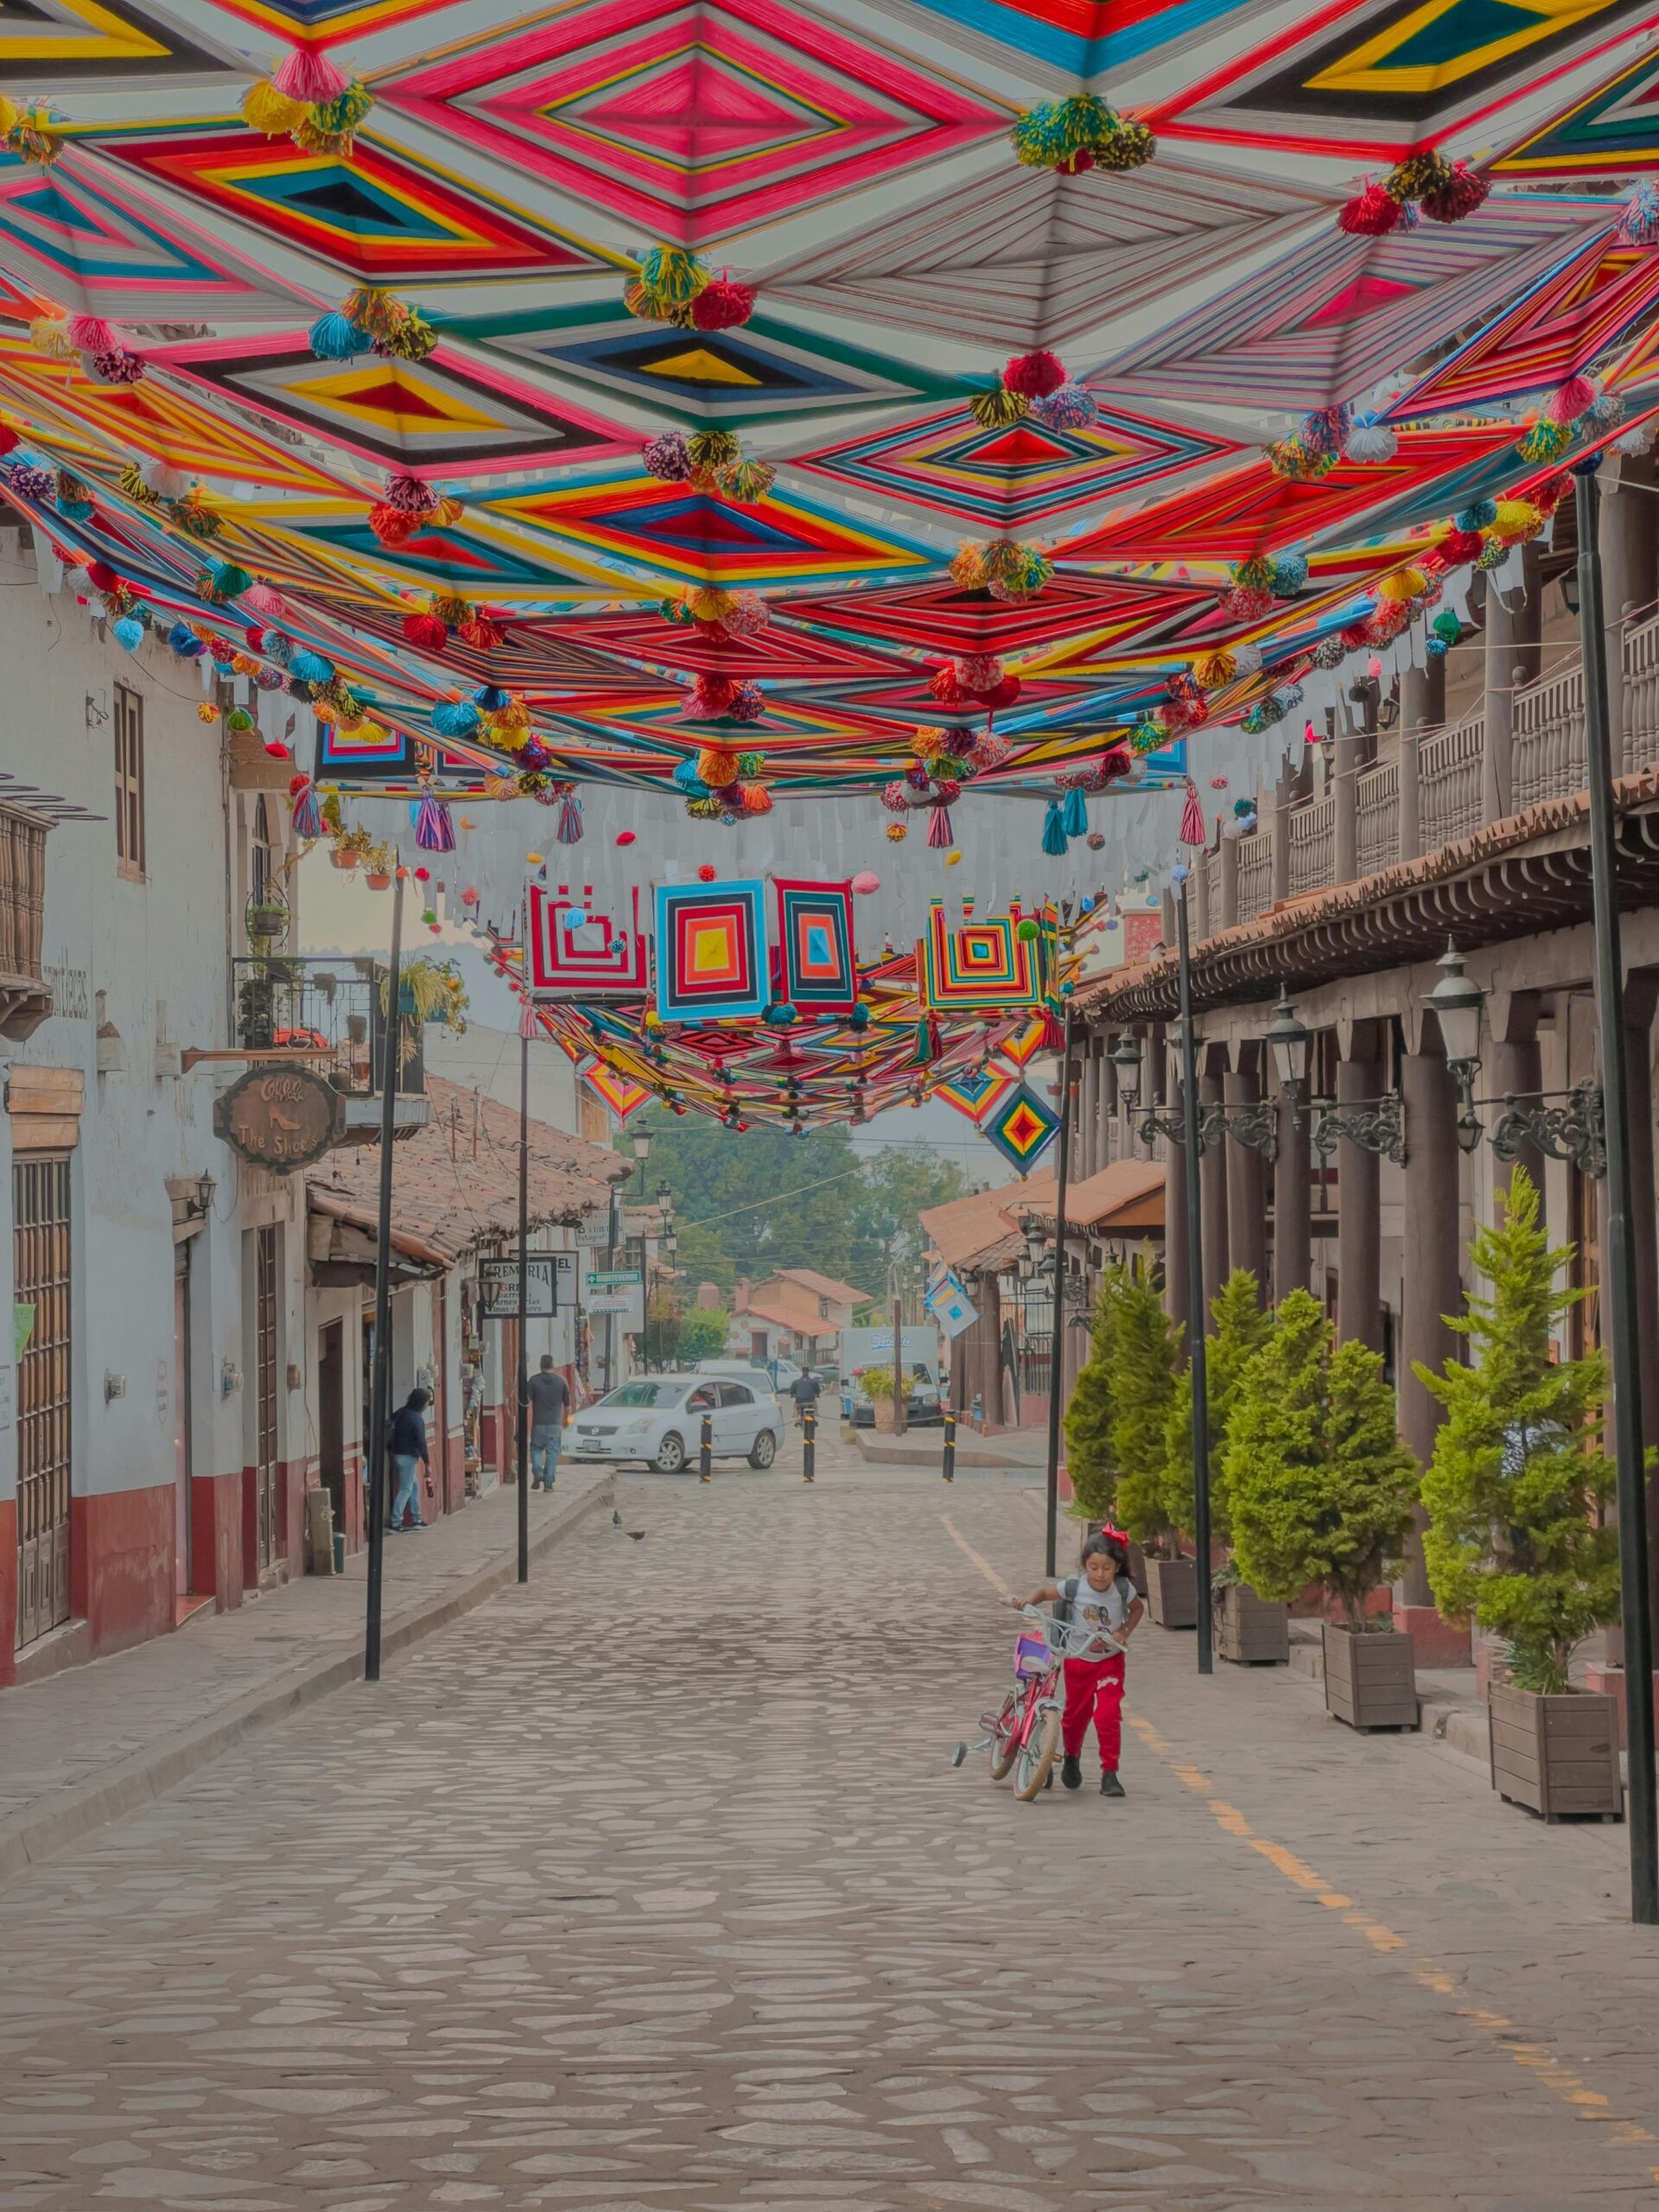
(1074, 1642)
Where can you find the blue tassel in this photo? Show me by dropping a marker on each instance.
(1289, 576)
(687, 779)
(1477, 517)
(1074, 815)
(455, 718)
(433, 831)
(490, 699)
(187, 647)
(308, 814)
(1053, 830)
(335, 337)
(128, 632)
(312, 668)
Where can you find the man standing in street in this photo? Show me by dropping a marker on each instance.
(550, 1394)
(406, 1446)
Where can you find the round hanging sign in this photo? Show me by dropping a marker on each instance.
(281, 1118)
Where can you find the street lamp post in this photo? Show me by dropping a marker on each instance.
(380, 1370)
(1620, 1256)
(1056, 1332)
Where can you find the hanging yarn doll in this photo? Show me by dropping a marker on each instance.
(434, 830)
(1192, 831)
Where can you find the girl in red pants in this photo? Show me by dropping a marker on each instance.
(1100, 1599)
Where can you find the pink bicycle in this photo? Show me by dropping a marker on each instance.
(1022, 1737)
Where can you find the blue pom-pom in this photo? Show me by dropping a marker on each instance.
(490, 699)
(74, 510)
(187, 646)
(1435, 648)
(1053, 830)
(860, 1017)
(128, 631)
(336, 337)
(687, 779)
(1483, 512)
(1289, 575)
(455, 718)
(780, 1013)
(1180, 873)
(312, 668)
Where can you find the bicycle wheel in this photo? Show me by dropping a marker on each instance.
(1037, 1755)
(1005, 1736)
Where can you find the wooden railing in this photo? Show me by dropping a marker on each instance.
(1377, 840)
(1641, 748)
(1255, 875)
(1313, 846)
(1449, 769)
(1547, 754)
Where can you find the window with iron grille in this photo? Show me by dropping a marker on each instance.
(129, 782)
(40, 1288)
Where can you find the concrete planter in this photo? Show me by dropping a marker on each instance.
(1556, 1754)
(1370, 1680)
(1173, 1591)
(1252, 1631)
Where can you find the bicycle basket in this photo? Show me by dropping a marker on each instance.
(1031, 1656)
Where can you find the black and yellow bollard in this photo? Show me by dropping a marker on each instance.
(948, 1470)
(809, 1443)
(706, 1451)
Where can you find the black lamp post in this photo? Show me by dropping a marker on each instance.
(1456, 1001)
(1290, 1045)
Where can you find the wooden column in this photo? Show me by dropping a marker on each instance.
(1517, 1067)
(1359, 1230)
(1213, 1170)
(1413, 722)
(1433, 1286)
(1344, 855)
(1293, 1241)
(1086, 1138)
(1247, 1205)
(1496, 770)
(1228, 857)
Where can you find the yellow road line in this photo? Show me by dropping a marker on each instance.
(984, 1565)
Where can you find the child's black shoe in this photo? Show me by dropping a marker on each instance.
(1111, 1786)
(1071, 1772)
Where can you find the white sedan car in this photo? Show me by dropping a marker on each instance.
(659, 1419)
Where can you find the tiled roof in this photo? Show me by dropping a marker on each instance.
(788, 1308)
(455, 1184)
(1131, 1187)
(824, 1286)
(981, 1232)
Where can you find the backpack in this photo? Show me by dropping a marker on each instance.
(1067, 1599)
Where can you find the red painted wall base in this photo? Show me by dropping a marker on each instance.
(216, 1539)
(121, 1550)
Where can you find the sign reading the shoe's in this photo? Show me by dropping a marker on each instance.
(281, 1118)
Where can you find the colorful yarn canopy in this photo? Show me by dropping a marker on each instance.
(674, 372)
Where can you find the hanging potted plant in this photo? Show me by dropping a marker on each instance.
(1515, 1493)
(876, 1384)
(266, 916)
(1322, 1490)
(1146, 1350)
(1240, 1329)
(379, 860)
(429, 991)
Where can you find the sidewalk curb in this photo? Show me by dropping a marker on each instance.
(66, 1817)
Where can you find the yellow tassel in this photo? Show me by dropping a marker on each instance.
(1402, 584)
(10, 112)
(1211, 671)
(207, 713)
(994, 411)
(1516, 519)
(271, 112)
(49, 335)
(709, 604)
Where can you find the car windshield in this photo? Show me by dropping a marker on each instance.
(641, 1392)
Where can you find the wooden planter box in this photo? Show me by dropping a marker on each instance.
(1370, 1679)
(1251, 1631)
(1173, 1591)
(1558, 1754)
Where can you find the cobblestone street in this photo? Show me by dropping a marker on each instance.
(653, 1886)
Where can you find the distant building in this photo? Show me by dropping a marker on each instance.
(795, 1315)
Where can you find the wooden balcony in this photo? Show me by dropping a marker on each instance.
(25, 997)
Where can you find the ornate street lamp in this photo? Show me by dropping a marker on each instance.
(1290, 1045)
(1456, 1001)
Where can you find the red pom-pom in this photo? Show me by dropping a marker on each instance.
(1460, 195)
(483, 631)
(1117, 762)
(296, 784)
(309, 77)
(1005, 694)
(706, 872)
(1034, 375)
(8, 438)
(392, 525)
(278, 751)
(1076, 164)
(626, 836)
(1372, 215)
(723, 305)
(1548, 495)
(425, 630)
(254, 640)
(101, 573)
(1460, 547)
(1570, 400)
(943, 687)
(1354, 635)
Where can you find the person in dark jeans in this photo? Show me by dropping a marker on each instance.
(407, 1446)
(806, 1391)
(550, 1394)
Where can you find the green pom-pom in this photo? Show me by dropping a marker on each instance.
(1446, 625)
(1027, 931)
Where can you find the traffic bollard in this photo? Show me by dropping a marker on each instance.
(809, 1443)
(706, 1451)
(950, 1467)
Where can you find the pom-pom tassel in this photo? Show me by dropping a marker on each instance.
(1638, 224)
(938, 830)
(1570, 400)
(434, 830)
(307, 815)
(1054, 839)
(1191, 829)
(1373, 214)
(335, 337)
(1074, 815)
(569, 830)
(309, 78)
(1463, 191)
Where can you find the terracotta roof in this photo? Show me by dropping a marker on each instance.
(982, 1232)
(781, 1302)
(824, 1286)
(1513, 878)
(1130, 1194)
(455, 1184)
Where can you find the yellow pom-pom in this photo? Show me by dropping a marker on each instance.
(10, 112)
(271, 112)
(951, 858)
(207, 712)
(709, 604)
(928, 743)
(895, 833)
(1211, 671)
(1515, 520)
(653, 1020)
(968, 567)
(717, 769)
(533, 859)
(1402, 584)
(49, 335)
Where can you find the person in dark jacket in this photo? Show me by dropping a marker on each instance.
(407, 1445)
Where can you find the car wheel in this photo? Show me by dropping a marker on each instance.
(764, 1450)
(670, 1455)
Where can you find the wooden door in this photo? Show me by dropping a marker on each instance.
(268, 1536)
(331, 1416)
(182, 1582)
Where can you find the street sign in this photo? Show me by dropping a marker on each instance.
(612, 1279)
(609, 1301)
(550, 1282)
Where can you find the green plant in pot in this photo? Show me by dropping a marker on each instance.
(1090, 1460)
(1146, 1352)
(1321, 1490)
(1516, 1491)
(877, 1385)
(1241, 1330)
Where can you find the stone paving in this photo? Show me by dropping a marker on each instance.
(652, 1887)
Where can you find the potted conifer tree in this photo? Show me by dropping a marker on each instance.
(1090, 1461)
(1241, 1330)
(1146, 1349)
(1515, 1493)
(1322, 1490)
